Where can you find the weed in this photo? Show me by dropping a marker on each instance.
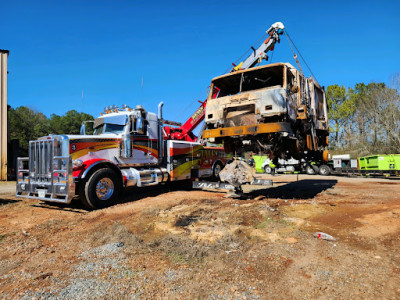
(264, 223)
(177, 258)
(148, 227)
(2, 236)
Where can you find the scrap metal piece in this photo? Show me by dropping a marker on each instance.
(212, 185)
(237, 173)
(266, 182)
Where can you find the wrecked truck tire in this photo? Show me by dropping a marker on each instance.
(310, 170)
(102, 190)
(216, 170)
(267, 170)
(324, 170)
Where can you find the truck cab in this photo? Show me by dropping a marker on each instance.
(271, 109)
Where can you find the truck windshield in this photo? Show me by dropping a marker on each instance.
(109, 128)
(251, 80)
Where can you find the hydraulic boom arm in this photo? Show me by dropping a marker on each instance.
(261, 53)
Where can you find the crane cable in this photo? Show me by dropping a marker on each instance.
(294, 54)
(195, 100)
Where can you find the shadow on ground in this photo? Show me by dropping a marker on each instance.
(7, 201)
(302, 189)
(129, 195)
(135, 193)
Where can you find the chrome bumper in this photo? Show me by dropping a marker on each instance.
(44, 176)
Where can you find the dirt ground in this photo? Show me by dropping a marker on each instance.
(174, 242)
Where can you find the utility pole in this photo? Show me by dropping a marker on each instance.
(3, 114)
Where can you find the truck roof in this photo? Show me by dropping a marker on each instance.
(290, 66)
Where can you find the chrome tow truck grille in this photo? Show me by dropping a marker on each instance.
(44, 175)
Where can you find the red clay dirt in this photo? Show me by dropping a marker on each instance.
(179, 243)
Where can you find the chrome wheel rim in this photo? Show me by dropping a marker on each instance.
(104, 189)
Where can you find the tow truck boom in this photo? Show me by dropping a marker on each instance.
(261, 53)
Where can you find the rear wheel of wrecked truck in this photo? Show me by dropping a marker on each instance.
(216, 170)
(101, 190)
(324, 170)
(310, 170)
(267, 169)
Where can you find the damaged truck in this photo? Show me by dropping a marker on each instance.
(271, 109)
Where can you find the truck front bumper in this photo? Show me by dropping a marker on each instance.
(55, 185)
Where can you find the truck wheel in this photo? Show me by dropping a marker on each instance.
(267, 169)
(102, 189)
(217, 169)
(324, 170)
(310, 170)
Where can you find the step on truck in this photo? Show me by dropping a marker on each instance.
(128, 148)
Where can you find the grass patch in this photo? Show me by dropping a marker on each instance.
(264, 223)
(2, 236)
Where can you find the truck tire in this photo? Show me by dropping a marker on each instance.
(324, 170)
(310, 170)
(217, 169)
(267, 169)
(102, 189)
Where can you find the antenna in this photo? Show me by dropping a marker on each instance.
(141, 91)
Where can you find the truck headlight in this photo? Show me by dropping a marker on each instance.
(76, 163)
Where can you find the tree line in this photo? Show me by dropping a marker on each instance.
(365, 119)
(25, 124)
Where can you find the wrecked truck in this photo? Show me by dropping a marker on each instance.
(272, 109)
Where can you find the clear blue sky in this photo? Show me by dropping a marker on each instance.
(58, 48)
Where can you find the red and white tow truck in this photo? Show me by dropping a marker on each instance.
(129, 147)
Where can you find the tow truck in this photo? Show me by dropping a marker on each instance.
(129, 147)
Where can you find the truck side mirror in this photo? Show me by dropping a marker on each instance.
(83, 128)
(82, 131)
(140, 126)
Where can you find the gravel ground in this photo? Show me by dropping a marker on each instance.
(196, 244)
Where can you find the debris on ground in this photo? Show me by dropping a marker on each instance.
(324, 236)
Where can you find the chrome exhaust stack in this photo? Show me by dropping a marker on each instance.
(160, 133)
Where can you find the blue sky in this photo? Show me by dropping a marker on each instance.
(105, 48)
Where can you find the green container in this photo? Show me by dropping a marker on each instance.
(384, 162)
(259, 160)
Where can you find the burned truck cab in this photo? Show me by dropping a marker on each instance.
(271, 108)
